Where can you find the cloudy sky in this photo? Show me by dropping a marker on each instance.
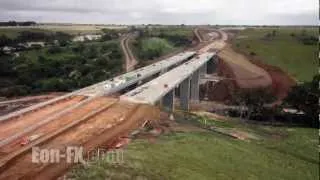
(284, 12)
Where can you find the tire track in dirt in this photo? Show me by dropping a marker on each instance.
(96, 131)
(9, 127)
(59, 123)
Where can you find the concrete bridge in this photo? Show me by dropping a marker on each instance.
(123, 81)
(88, 118)
(186, 77)
(115, 84)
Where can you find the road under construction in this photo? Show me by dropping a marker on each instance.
(90, 117)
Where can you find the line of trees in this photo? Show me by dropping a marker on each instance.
(14, 23)
(305, 97)
(59, 68)
(28, 36)
(255, 104)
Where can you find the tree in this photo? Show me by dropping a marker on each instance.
(54, 50)
(109, 34)
(79, 48)
(5, 41)
(63, 43)
(6, 65)
(254, 100)
(132, 29)
(92, 52)
(305, 97)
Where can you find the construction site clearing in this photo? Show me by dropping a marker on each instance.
(101, 121)
(89, 126)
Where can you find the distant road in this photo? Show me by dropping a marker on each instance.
(129, 57)
(196, 32)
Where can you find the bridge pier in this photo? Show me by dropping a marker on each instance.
(168, 101)
(203, 70)
(195, 85)
(185, 94)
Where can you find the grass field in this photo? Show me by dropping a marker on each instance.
(14, 32)
(150, 48)
(281, 153)
(157, 45)
(188, 32)
(283, 50)
(66, 51)
(157, 42)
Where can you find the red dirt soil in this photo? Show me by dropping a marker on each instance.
(245, 74)
(58, 123)
(11, 126)
(14, 104)
(97, 131)
(281, 81)
(245, 78)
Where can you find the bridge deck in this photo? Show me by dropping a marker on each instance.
(116, 84)
(154, 90)
(120, 82)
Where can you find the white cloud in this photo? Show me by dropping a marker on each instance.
(163, 11)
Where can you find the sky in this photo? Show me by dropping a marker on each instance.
(235, 12)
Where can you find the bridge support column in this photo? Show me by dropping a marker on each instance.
(168, 101)
(203, 70)
(195, 86)
(185, 94)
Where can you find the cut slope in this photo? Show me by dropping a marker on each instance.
(245, 74)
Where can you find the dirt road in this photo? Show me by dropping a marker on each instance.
(198, 35)
(217, 44)
(130, 60)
